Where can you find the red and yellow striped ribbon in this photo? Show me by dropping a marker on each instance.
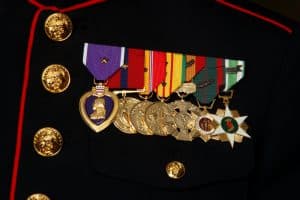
(174, 78)
(154, 70)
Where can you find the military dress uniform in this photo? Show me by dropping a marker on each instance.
(55, 155)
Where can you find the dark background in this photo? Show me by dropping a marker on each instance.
(288, 8)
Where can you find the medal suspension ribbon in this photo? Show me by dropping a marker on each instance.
(155, 70)
(131, 72)
(209, 80)
(174, 75)
(26, 74)
(180, 68)
(119, 67)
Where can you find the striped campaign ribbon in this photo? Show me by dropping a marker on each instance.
(234, 72)
(162, 72)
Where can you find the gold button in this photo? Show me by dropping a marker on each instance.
(56, 78)
(58, 27)
(47, 142)
(175, 170)
(38, 196)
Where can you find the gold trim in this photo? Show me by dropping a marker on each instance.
(108, 121)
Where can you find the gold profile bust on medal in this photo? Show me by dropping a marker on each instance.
(98, 107)
(47, 142)
(58, 27)
(56, 78)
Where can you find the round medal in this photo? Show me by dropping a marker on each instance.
(137, 116)
(205, 124)
(123, 120)
(160, 119)
(229, 124)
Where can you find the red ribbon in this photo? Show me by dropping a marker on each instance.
(135, 72)
(159, 68)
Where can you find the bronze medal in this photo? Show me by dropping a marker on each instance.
(56, 78)
(47, 142)
(205, 123)
(186, 114)
(123, 119)
(38, 196)
(137, 116)
(58, 27)
(160, 118)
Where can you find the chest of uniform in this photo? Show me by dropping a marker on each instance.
(68, 111)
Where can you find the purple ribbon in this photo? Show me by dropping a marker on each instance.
(102, 61)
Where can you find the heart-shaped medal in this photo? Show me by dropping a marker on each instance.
(98, 109)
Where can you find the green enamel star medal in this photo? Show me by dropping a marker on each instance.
(231, 125)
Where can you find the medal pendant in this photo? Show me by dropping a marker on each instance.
(98, 107)
(137, 116)
(231, 125)
(123, 119)
(206, 125)
(160, 118)
(223, 137)
(185, 117)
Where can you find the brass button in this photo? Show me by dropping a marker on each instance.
(175, 170)
(58, 27)
(38, 196)
(56, 78)
(47, 142)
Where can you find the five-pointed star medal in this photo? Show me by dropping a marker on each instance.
(230, 126)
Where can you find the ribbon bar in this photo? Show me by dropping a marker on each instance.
(162, 72)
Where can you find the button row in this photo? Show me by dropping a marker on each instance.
(56, 78)
(48, 141)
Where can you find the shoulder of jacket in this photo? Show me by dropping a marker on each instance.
(266, 16)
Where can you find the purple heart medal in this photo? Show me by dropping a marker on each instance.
(99, 106)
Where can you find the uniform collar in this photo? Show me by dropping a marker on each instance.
(67, 3)
(61, 3)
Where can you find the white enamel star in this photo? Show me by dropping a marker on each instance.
(237, 130)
